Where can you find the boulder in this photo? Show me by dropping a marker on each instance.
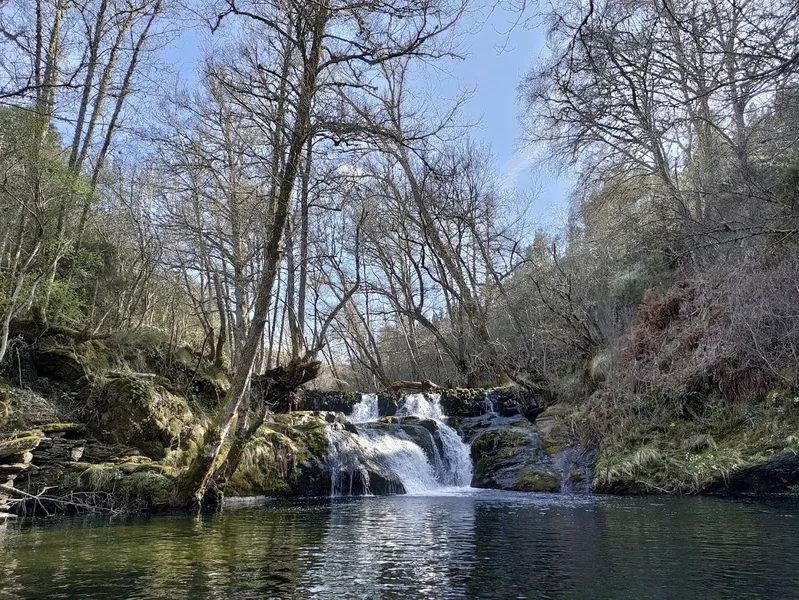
(136, 412)
(776, 475)
(511, 453)
(503, 401)
(286, 457)
(313, 453)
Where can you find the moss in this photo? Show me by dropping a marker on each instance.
(5, 406)
(138, 467)
(507, 453)
(148, 488)
(22, 409)
(555, 443)
(134, 412)
(317, 442)
(284, 458)
(537, 481)
(62, 427)
(485, 442)
(576, 477)
(512, 438)
(21, 443)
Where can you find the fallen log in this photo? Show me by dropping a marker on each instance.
(419, 386)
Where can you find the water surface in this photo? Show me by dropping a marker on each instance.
(464, 545)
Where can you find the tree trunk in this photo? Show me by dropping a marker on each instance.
(200, 477)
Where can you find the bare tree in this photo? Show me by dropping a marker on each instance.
(327, 42)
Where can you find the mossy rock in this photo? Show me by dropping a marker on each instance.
(129, 468)
(537, 481)
(64, 359)
(141, 490)
(576, 478)
(20, 444)
(5, 406)
(555, 434)
(132, 411)
(22, 408)
(313, 400)
(68, 428)
(286, 457)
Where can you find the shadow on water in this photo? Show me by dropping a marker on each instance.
(467, 545)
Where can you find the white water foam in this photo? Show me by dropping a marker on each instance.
(390, 450)
(400, 455)
(457, 455)
(365, 410)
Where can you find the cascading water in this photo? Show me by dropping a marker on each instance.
(366, 410)
(488, 404)
(418, 452)
(457, 455)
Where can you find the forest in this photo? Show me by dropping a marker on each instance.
(297, 215)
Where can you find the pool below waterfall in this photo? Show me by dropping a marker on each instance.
(449, 544)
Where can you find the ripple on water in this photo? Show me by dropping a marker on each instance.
(475, 544)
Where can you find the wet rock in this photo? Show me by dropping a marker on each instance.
(504, 401)
(537, 481)
(776, 475)
(511, 453)
(312, 400)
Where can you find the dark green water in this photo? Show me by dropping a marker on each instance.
(473, 545)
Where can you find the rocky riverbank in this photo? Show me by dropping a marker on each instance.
(101, 427)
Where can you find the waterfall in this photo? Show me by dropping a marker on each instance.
(416, 453)
(365, 410)
(457, 455)
(401, 456)
(348, 477)
(488, 404)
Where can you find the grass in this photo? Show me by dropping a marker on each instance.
(673, 453)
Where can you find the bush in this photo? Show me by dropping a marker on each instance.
(729, 332)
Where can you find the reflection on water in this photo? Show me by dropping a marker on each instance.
(472, 545)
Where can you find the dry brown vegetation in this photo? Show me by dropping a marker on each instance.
(732, 332)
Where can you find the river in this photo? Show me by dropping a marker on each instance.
(466, 544)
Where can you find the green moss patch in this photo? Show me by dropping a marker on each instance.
(537, 481)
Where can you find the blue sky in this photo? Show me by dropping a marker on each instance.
(497, 56)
